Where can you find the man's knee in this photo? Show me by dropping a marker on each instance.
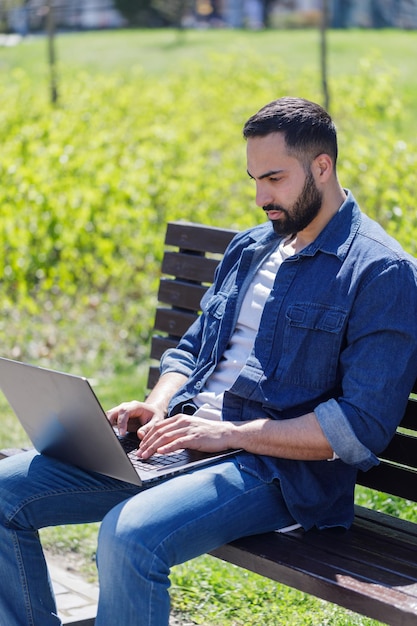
(125, 543)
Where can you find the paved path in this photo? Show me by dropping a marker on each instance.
(77, 599)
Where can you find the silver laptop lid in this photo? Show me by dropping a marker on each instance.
(64, 419)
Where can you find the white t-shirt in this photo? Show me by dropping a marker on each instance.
(210, 400)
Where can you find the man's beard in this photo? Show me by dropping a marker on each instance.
(302, 213)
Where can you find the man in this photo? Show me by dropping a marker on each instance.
(310, 317)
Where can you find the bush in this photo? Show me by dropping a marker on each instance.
(88, 187)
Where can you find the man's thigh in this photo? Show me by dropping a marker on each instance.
(193, 513)
(38, 491)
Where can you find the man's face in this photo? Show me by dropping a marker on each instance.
(287, 194)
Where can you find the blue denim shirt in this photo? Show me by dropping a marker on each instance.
(338, 336)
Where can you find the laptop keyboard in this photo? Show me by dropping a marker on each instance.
(157, 461)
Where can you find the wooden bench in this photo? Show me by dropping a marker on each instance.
(370, 569)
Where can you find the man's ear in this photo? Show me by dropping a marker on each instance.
(322, 168)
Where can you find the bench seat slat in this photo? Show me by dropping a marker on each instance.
(390, 524)
(351, 569)
(369, 554)
(371, 599)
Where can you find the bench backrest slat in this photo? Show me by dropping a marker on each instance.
(393, 479)
(402, 449)
(189, 266)
(409, 419)
(198, 237)
(193, 252)
(174, 323)
(181, 294)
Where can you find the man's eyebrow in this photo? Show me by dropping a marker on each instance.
(267, 174)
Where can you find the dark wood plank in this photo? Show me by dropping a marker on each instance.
(391, 479)
(355, 569)
(410, 417)
(288, 565)
(198, 237)
(160, 344)
(389, 524)
(196, 268)
(173, 321)
(372, 551)
(181, 294)
(153, 375)
(402, 449)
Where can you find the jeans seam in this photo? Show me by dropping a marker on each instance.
(53, 493)
(22, 574)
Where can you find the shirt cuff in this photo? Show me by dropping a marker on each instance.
(340, 435)
(174, 361)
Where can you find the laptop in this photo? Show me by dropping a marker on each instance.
(64, 419)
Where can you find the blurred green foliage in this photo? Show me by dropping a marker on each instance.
(87, 189)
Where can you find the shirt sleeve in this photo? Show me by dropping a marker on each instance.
(183, 358)
(378, 365)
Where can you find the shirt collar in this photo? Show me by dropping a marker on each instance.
(337, 236)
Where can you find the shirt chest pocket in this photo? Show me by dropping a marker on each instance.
(216, 306)
(214, 310)
(312, 340)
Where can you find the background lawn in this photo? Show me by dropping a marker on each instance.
(164, 51)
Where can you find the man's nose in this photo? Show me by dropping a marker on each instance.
(263, 196)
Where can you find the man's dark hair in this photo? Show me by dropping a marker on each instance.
(307, 128)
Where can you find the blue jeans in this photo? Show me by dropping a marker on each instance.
(144, 532)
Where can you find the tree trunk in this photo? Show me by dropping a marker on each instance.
(323, 53)
(51, 52)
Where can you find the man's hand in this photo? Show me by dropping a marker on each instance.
(298, 438)
(184, 431)
(129, 416)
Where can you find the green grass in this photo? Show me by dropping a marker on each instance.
(160, 51)
(164, 51)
